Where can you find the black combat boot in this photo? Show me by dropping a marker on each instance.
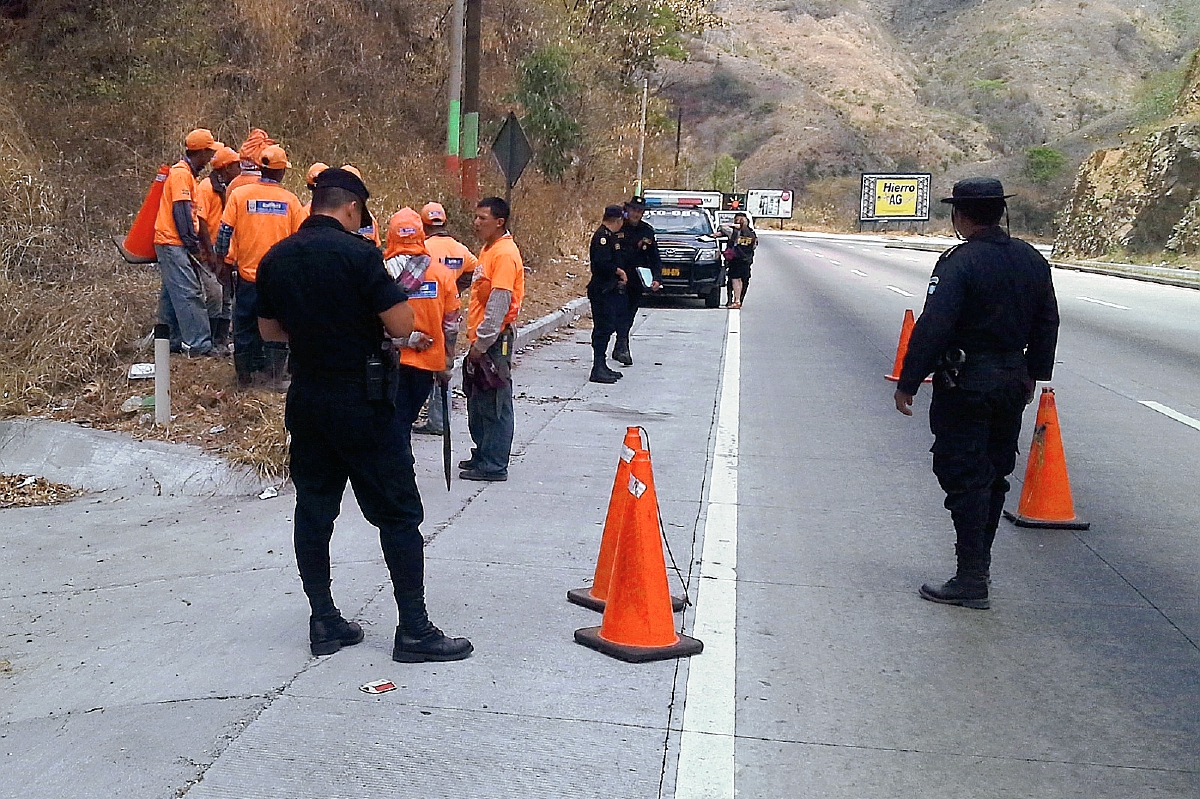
(243, 363)
(600, 371)
(968, 588)
(328, 634)
(418, 641)
(621, 354)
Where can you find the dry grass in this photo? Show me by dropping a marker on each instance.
(25, 491)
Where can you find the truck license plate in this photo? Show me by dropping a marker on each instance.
(670, 271)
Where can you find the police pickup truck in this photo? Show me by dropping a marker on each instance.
(690, 252)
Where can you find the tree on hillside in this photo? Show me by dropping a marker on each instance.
(723, 171)
(550, 96)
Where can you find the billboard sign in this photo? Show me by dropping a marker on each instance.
(769, 203)
(898, 197)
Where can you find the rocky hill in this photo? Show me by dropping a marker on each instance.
(802, 92)
(1143, 198)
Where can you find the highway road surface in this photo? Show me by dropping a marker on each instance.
(157, 645)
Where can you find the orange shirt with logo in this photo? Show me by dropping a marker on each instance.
(500, 267)
(209, 206)
(248, 176)
(261, 214)
(451, 254)
(179, 186)
(437, 297)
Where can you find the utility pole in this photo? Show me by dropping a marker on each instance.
(454, 90)
(642, 143)
(678, 138)
(470, 132)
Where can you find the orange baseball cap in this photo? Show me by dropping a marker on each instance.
(201, 139)
(433, 214)
(274, 157)
(311, 177)
(406, 235)
(224, 157)
(353, 170)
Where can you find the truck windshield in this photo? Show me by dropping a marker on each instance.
(679, 220)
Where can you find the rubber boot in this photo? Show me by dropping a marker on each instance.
(220, 335)
(968, 588)
(418, 641)
(243, 362)
(276, 356)
(620, 352)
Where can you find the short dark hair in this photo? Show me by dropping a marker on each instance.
(331, 198)
(273, 174)
(982, 212)
(496, 206)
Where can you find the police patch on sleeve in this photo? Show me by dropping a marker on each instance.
(603, 240)
(933, 284)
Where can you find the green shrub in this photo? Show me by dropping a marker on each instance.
(1044, 164)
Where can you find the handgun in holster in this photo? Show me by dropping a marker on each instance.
(949, 365)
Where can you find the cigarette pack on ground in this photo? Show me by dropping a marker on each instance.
(140, 371)
(378, 687)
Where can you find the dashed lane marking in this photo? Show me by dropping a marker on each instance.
(835, 263)
(1105, 304)
(899, 291)
(1172, 413)
(706, 744)
(858, 272)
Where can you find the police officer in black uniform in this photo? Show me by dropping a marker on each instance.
(609, 304)
(988, 331)
(326, 292)
(639, 249)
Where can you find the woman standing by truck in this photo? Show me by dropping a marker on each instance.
(740, 255)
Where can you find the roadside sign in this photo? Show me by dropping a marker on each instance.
(733, 202)
(512, 150)
(769, 203)
(898, 197)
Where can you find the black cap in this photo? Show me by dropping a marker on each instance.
(635, 204)
(613, 212)
(972, 189)
(335, 178)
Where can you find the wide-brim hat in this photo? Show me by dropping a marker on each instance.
(972, 189)
(635, 204)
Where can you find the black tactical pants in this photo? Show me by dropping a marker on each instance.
(974, 450)
(609, 310)
(337, 435)
(633, 297)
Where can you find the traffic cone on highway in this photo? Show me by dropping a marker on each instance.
(906, 330)
(595, 597)
(1046, 494)
(138, 246)
(638, 625)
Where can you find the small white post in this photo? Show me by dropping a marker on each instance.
(162, 375)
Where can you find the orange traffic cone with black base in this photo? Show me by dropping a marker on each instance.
(906, 329)
(595, 597)
(138, 246)
(638, 626)
(1046, 494)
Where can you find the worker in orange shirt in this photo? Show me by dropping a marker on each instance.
(427, 356)
(497, 289)
(454, 256)
(256, 217)
(177, 245)
(251, 155)
(369, 232)
(310, 181)
(216, 277)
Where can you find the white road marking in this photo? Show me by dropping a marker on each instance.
(914, 260)
(857, 272)
(806, 249)
(835, 263)
(898, 291)
(1105, 304)
(706, 744)
(1172, 413)
(818, 255)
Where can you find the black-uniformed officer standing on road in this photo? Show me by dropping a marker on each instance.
(639, 248)
(988, 331)
(609, 304)
(326, 292)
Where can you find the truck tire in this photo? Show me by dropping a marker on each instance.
(713, 298)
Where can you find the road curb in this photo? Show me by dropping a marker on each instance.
(544, 326)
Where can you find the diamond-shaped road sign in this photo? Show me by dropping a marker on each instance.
(512, 150)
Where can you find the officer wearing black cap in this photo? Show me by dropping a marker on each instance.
(326, 292)
(604, 291)
(988, 331)
(639, 249)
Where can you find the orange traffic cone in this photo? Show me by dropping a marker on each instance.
(138, 246)
(906, 330)
(638, 626)
(595, 597)
(1046, 495)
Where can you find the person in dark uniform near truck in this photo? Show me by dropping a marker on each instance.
(639, 248)
(988, 331)
(325, 291)
(742, 243)
(610, 306)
